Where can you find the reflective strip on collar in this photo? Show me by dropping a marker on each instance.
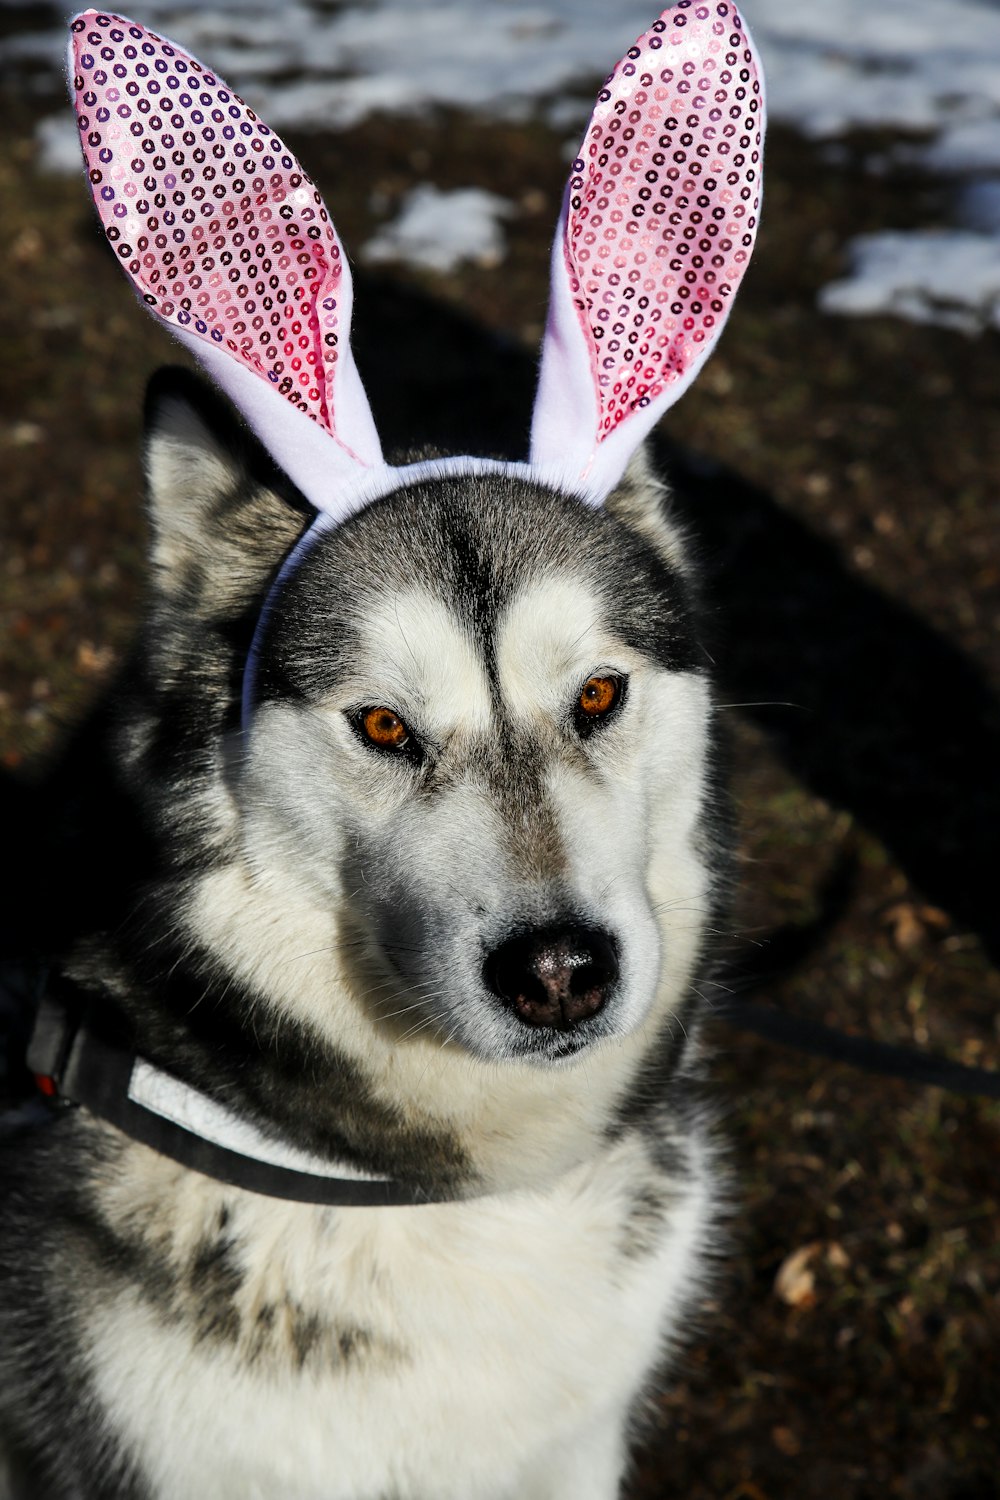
(204, 1117)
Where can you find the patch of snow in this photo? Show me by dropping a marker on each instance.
(439, 230)
(910, 64)
(913, 64)
(950, 277)
(972, 147)
(924, 66)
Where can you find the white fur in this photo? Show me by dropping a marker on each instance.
(510, 1336)
(548, 643)
(419, 660)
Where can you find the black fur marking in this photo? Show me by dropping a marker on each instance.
(214, 1283)
(306, 1332)
(199, 1292)
(662, 1090)
(305, 1340)
(645, 1218)
(651, 606)
(509, 765)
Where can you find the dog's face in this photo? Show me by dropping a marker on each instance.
(479, 738)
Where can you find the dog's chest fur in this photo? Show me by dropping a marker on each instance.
(456, 1350)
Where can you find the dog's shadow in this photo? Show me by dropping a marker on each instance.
(889, 719)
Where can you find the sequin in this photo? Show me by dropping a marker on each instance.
(219, 228)
(663, 202)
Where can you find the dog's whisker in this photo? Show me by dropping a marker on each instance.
(423, 1025)
(764, 703)
(718, 985)
(298, 958)
(406, 1010)
(398, 991)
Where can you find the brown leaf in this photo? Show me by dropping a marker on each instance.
(910, 923)
(837, 1257)
(795, 1283)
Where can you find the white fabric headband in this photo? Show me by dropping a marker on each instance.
(227, 241)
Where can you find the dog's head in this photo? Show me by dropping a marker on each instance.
(479, 741)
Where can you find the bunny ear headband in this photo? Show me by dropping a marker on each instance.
(227, 241)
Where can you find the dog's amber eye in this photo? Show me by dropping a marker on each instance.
(599, 695)
(600, 698)
(384, 728)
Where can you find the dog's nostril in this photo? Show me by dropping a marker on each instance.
(554, 976)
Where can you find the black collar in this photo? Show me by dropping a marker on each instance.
(75, 1065)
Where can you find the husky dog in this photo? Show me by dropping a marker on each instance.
(424, 846)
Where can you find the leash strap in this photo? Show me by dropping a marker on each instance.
(883, 1058)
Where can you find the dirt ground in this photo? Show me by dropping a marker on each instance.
(842, 479)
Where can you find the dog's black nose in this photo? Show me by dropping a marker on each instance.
(554, 976)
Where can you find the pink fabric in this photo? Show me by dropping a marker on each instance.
(224, 237)
(656, 233)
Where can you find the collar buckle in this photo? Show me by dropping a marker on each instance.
(51, 1041)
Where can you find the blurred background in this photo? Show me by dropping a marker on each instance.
(839, 465)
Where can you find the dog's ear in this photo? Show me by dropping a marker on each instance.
(213, 515)
(641, 501)
(656, 232)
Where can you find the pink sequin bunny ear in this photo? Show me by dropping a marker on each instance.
(656, 232)
(227, 241)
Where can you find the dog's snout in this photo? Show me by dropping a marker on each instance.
(554, 976)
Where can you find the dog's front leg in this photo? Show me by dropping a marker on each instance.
(588, 1467)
